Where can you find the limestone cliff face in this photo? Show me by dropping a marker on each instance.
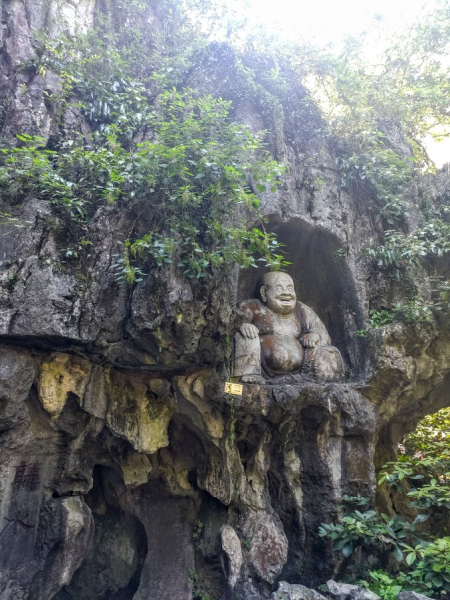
(124, 466)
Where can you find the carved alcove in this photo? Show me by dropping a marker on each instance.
(323, 281)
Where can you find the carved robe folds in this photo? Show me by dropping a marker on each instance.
(279, 349)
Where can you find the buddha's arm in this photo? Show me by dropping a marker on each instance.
(247, 348)
(312, 324)
(248, 329)
(247, 309)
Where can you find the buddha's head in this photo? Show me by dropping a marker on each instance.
(278, 292)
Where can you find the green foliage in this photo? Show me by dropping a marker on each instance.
(29, 169)
(429, 564)
(424, 465)
(401, 251)
(377, 532)
(378, 109)
(422, 565)
(124, 271)
(353, 103)
(382, 584)
(361, 333)
(430, 441)
(398, 471)
(416, 310)
(418, 551)
(196, 536)
(379, 318)
(197, 592)
(173, 156)
(384, 169)
(400, 257)
(433, 494)
(435, 564)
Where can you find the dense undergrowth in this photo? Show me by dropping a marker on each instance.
(394, 552)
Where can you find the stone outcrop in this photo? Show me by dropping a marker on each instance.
(126, 470)
(411, 596)
(68, 464)
(346, 591)
(286, 591)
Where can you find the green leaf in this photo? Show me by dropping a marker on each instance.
(397, 553)
(347, 549)
(437, 581)
(340, 544)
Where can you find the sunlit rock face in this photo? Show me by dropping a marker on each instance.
(126, 470)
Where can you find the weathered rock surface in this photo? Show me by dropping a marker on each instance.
(65, 447)
(232, 554)
(126, 471)
(411, 596)
(287, 591)
(346, 591)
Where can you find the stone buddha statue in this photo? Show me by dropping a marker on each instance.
(283, 337)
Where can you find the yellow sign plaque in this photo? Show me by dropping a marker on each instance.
(233, 388)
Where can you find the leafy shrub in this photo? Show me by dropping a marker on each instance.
(383, 585)
(400, 250)
(174, 155)
(371, 530)
(418, 558)
(414, 311)
(379, 318)
(197, 592)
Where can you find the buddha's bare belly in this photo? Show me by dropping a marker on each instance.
(281, 353)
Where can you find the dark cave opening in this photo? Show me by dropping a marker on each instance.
(112, 568)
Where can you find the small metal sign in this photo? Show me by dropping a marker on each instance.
(233, 388)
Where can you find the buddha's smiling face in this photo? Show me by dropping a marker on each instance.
(278, 293)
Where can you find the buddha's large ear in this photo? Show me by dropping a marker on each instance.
(263, 293)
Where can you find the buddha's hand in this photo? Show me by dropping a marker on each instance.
(249, 331)
(310, 340)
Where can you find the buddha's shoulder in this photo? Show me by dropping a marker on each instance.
(253, 305)
(303, 308)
